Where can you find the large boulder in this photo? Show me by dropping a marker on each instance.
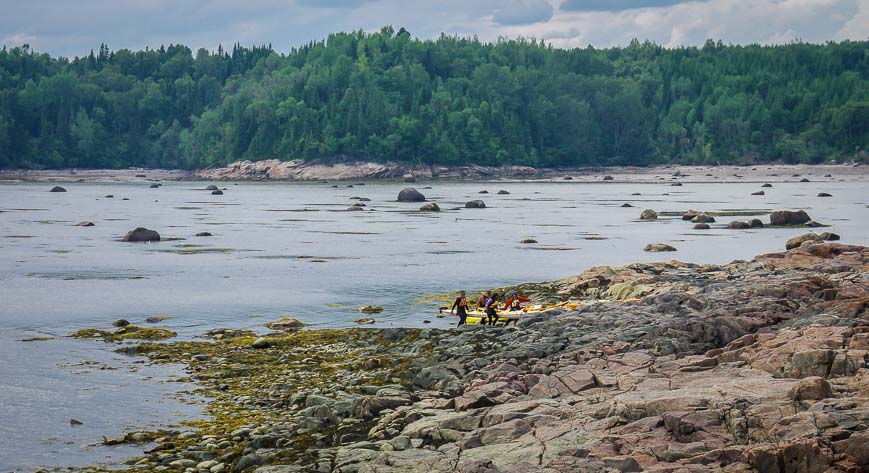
(797, 241)
(786, 217)
(649, 214)
(57, 189)
(141, 234)
(813, 388)
(410, 195)
(475, 204)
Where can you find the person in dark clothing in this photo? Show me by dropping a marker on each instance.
(492, 309)
(461, 308)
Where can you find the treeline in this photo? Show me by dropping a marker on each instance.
(387, 96)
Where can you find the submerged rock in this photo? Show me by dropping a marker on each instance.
(701, 226)
(410, 195)
(85, 224)
(703, 218)
(371, 309)
(626, 205)
(655, 247)
(217, 192)
(141, 234)
(365, 321)
(758, 193)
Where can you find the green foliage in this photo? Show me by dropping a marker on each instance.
(386, 96)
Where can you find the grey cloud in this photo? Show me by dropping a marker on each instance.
(524, 12)
(332, 3)
(615, 5)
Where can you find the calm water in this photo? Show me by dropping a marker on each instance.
(291, 249)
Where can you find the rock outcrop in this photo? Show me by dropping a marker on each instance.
(317, 170)
(750, 366)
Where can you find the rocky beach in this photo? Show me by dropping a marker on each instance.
(754, 365)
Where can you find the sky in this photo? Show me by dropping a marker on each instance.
(75, 27)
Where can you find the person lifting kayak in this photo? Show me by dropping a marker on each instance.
(492, 309)
(484, 297)
(461, 307)
(514, 302)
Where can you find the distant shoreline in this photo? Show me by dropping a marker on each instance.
(274, 171)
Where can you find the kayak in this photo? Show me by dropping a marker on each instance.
(477, 316)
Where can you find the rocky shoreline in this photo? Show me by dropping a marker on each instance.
(749, 366)
(315, 171)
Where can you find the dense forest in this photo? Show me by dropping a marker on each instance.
(387, 96)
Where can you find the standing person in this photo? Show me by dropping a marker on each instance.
(461, 306)
(492, 309)
(481, 302)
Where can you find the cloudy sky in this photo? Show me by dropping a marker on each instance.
(74, 27)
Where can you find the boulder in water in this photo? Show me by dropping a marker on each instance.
(626, 205)
(110, 196)
(503, 192)
(787, 217)
(758, 193)
(528, 241)
(354, 208)
(824, 194)
(797, 241)
(755, 223)
(475, 204)
(690, 214)
(701, 226)
(85, 224)
(656, 247)
(204, 234)
(371, 309)
(154, 186)
(141, 234)
(285, 323)
(703, 218)
(410, 195)
(804, 180)
(676, 184)
(430, 207)
(649, 214)
(121, 323)
(217, 192)
(737, 225)
(767, 185)
(57, 189)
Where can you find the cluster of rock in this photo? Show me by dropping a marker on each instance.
(749, 366)
(273, 169)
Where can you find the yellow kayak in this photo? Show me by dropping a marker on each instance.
(477, 316)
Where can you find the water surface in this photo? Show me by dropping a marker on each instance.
(282, 249)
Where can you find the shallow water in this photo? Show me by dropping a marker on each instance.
(292, 249)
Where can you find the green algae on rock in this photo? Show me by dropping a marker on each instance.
(129, 332)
